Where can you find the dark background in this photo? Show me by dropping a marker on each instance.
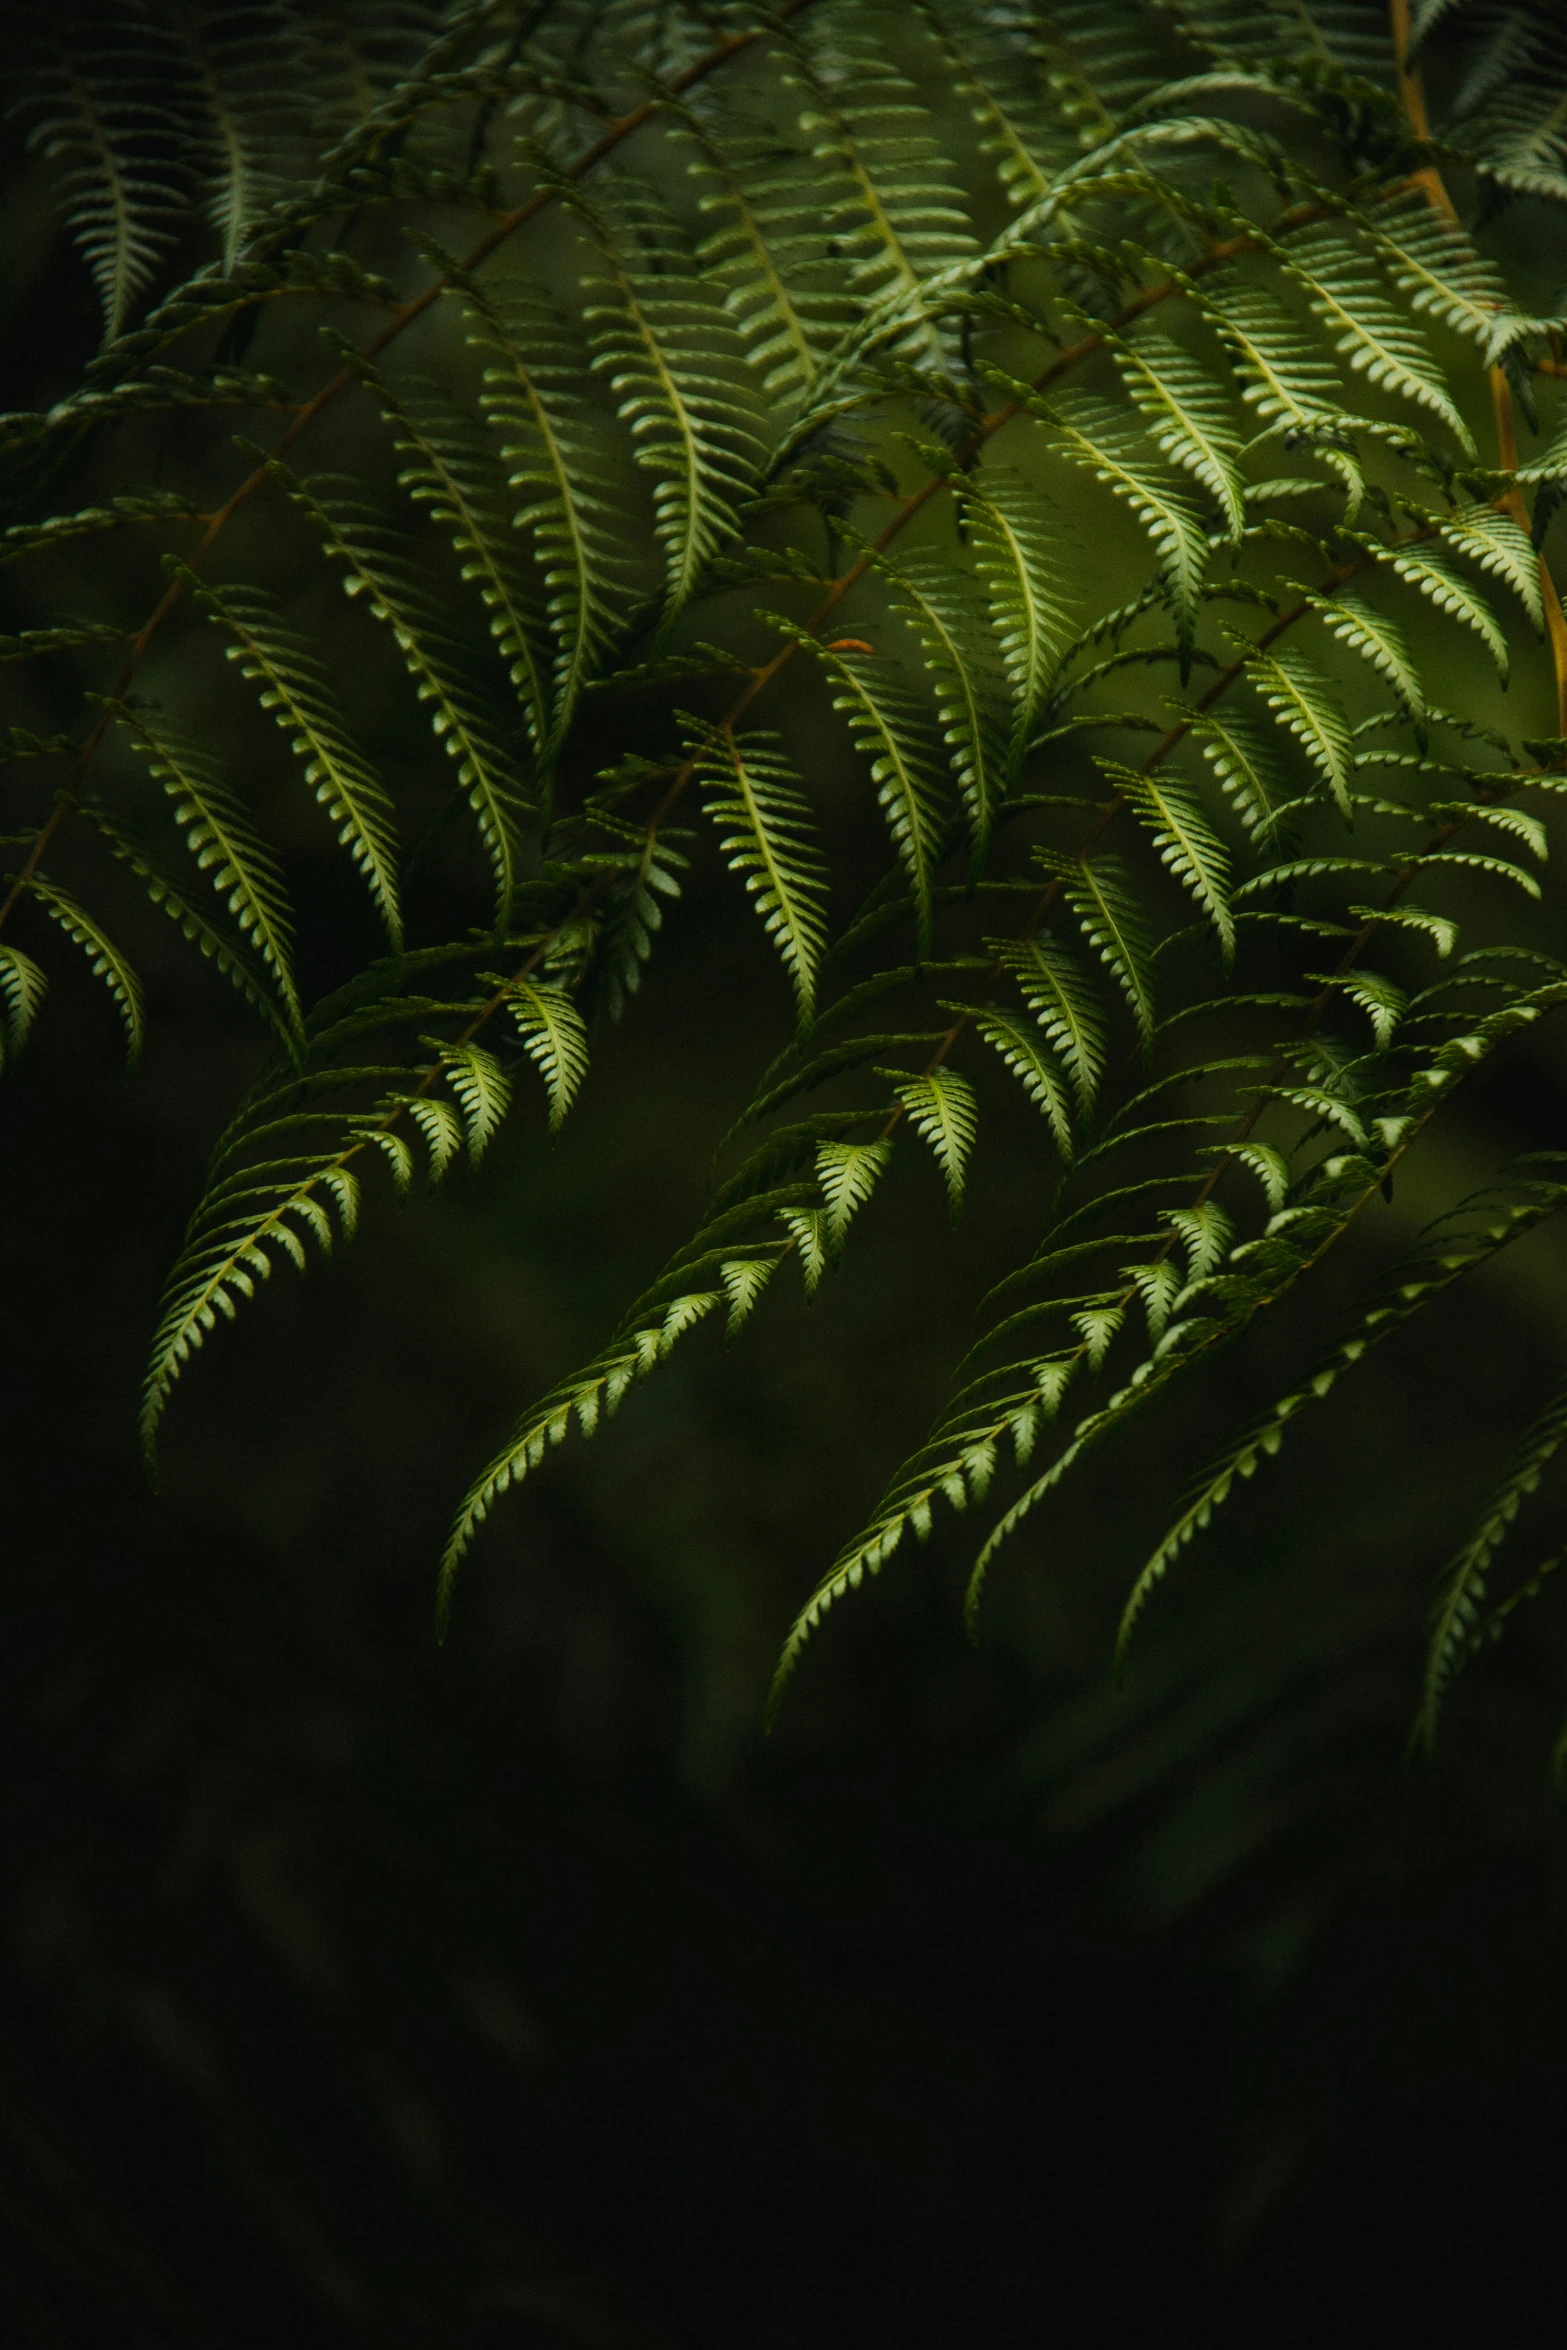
(519, 1991)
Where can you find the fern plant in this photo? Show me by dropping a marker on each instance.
(1116, 425)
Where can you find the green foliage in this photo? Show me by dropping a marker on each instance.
(975, 419)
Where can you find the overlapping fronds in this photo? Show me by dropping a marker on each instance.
(1066, 540)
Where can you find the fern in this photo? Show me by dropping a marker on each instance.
(753, 790)
(675, 369)
(97, 108)
(226, 849)
(1020, 507)
(298, 693)
(104, 957)
(379, 565)
(940, 1107)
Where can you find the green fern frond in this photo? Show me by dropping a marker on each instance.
(1094, 437)
(890, 282)
(939, 604)
(887, 729)
(229, 1248)
(1187, 416)
(848, 1173)
(1347, 293)
(129, 507)
(1058, 993)
(593, 1395)
(992, 61)
(97, 107)
(247, 63)
(378, 565)
(1433, 574)
(941, 1108)
(767, 253)
(1100, 894)
(1304, 705)
(104, 959)
(452, 473)
(226, 848)
(1499, 545)
(22, 989)
(298, 692)
(1241, 760)
(1017, 546)
(676, 369)
(1376, 639)
(554, 1039)
(532, 397)
(1294, 387)
(1186, 842)
(889, 202)
(483, 1091)
(1434, 262)
(769, 836)
(1036, 1070)
(221, 951)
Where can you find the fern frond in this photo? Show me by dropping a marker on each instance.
(676, 368)
(1304, 704)
(248, 63)
(219, 950)
(755, 794)
(104, 959)
(379, 566)
(483, 1091)
(554, 1039)
(889, 202)
(848, 1173)
(941, 1108)
(298, 692)
(22, 989)
(131, 506)
(1185, 841)
(1376, 639)
(1240, 759)
(1035, 1069)
(594, 1394)
(993, 64)
(532, 398)
(1435, 263)
(1499, 545)
(886, 728)
(1437, 579)
(1294, 388)
(226, 848)
(1451, 1257)
(1058, 993)
(1346, 291)
(452, 473)
(937, 601)
(1100, 894)
(1512, 116)
(1094, 437)
(1017, 546)
(229, 1248)
(767, 253)
(98, 103)
(1187, 417)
